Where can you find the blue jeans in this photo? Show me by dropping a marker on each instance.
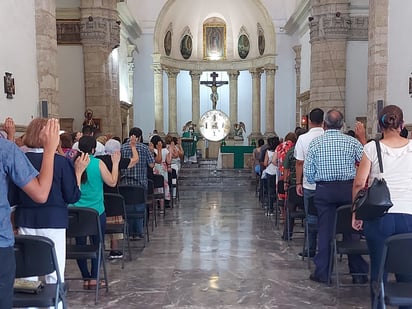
(376, 231)
(82, 263)
(312, 220)
(7, 272)
(136, 225)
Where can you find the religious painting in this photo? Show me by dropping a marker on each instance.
(214, 41)
(243, 46)
(9, 88)
(186, 46)
(261, 43)
(168, 43)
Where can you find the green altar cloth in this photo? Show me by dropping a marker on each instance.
(238, 152)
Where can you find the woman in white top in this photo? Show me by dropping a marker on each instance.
(162, 163)
(397, 170)
(270, 171)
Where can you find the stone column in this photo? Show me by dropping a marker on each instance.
(270, 71)
(298, 60)
(328, 36)
(100, 35)
(233, 103)
(255, 134)
(172, 89)
(46, 46)
(377, 61)
(130, 63)
(195, 97)
(158, 97)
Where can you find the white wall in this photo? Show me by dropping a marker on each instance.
(143, 93)
(18, 56)
(356, 81)
(71, 95)
(285, 90)
(400, 56)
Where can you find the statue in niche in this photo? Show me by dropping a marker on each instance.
(88, 119)
(239, 129)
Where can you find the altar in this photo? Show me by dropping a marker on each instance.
(241, 156)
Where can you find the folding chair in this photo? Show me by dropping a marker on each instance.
(85, 222)
(309, 228)
(174, 188)
(115, 207)
(36, 256)
(396, 259)
(134, 195)
(151, 203)
(294, 210)
(339, 246)
(159, 190)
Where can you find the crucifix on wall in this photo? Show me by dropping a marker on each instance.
(214, 84)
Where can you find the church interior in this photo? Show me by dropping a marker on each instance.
(221, 75)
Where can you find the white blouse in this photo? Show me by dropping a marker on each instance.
(397, 172)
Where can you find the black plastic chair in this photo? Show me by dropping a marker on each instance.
(134, 195)
(294, 210)
(85, 222)
(396, 259)
(339, 246)
(36, 256)
(115, 207)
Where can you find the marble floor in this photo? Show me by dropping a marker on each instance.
(216, 250)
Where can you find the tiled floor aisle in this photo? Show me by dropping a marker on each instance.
(217, 250)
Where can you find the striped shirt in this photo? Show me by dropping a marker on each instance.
(332, 157)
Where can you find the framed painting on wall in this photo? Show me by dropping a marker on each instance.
(214, 41)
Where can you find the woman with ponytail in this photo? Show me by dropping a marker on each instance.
(397, 170)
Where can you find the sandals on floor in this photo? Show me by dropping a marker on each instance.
(92, 284)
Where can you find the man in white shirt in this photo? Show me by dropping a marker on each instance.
(303, 188)
(88, 130)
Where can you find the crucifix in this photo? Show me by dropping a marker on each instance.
(214, 85)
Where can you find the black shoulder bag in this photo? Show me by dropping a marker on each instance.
(373, 202)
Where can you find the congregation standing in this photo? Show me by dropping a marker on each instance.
(326, 166)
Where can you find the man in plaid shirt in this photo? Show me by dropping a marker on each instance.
(137, 175)
(331, 164)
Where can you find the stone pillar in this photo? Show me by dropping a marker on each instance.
(233, 103)
(158, 97)
(328, 36)
(130, 63)
(270, 71)
(195, 97)
(377, 61)
(46, 46)
(172, 89)
(100, 35)
(255, 134)
(298, 60)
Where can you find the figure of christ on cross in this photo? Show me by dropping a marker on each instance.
(214, 85)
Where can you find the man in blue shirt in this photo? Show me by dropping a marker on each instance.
(15, 166)
(331, 164)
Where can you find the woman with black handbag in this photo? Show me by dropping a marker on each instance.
(396, 154)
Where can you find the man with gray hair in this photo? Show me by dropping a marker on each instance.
(112, 146)
(331, 165)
